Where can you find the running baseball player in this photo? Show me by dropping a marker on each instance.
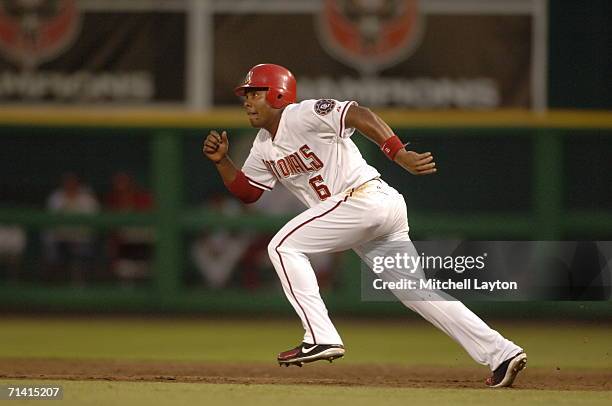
(307, 147)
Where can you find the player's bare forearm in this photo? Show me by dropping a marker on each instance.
(368, 123)
(374, 128)
(215, 148)
(227, 170)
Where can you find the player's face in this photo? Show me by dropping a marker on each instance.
(259, 111)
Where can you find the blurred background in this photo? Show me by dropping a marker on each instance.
(107, 204)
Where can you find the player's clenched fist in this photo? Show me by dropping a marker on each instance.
(216, 146)
(415, 163)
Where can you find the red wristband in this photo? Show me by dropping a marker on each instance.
(391, 146)
(242, 189)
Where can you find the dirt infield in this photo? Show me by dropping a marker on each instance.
(318, 374)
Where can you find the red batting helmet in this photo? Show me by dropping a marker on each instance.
(279, 82)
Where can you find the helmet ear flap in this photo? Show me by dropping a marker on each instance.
(275, 98)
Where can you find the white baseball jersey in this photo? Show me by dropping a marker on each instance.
(312, 153)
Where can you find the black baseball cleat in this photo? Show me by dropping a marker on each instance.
(505, 374)
(305, 353)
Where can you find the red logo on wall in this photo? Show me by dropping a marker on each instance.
(34, 31)
(370, 34)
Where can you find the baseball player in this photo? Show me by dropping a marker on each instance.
(307, 147)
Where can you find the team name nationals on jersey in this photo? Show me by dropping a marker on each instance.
(303, 161)
(312, 154)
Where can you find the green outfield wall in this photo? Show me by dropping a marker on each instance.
(505, 175)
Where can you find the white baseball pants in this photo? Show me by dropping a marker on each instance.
(365, 219)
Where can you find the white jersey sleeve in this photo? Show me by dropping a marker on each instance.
(256, 171)
(327, 115)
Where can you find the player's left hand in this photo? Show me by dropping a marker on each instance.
(415, 163)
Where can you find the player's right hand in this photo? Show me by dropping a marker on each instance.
(216, 146)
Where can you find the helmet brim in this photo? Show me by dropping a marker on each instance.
(241, 90)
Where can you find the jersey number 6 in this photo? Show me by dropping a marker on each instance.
(319, 187)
